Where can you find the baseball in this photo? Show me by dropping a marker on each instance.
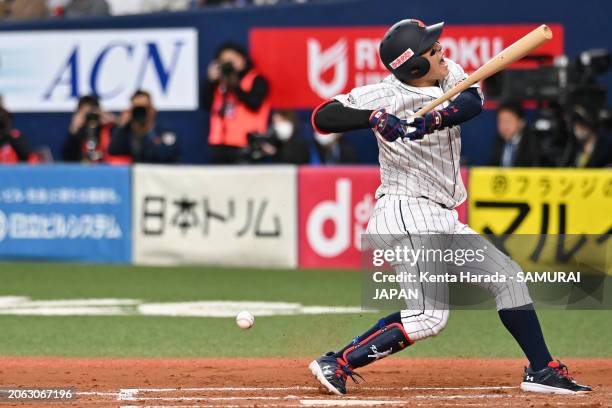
(245, 320)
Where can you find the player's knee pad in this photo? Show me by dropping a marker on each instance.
(426, 323)
(389, 339)
(437, 321)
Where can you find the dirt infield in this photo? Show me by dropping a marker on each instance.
(288, 383)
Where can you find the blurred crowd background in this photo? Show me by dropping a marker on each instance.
(41, 9)
(553, 113)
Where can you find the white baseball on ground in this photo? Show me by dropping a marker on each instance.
(245, 320)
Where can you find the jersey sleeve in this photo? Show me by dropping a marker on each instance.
(455, 75)
(368, 97)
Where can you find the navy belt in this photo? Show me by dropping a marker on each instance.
(441, 205)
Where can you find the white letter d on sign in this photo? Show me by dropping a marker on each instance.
(339, 212)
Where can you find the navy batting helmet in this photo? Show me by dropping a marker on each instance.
(403, 44)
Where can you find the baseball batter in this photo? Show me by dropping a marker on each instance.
(420, 187)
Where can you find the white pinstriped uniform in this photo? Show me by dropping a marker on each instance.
(420, 187)
(428, 167)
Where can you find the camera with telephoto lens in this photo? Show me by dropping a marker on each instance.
(91, 143)
(139, 114)
(92, 119)
(227, 70)
(557, 89)
(254, 152)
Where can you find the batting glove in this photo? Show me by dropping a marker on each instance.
(388, 126)
(420, 126)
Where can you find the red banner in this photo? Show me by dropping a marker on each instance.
(335, 204)
(307, 65)
(334, 207)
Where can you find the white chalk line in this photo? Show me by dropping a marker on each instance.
(309, 388)
(98, 393)
(127, 394)
(23, 305)
(294, 388)
(354, 403)
(340, 403)
(284, 405)
(135, 395)
(211, 406)
(302, 398)
(245, 398)
(348, 399)
(382, 402)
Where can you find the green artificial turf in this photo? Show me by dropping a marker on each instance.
(468, 334)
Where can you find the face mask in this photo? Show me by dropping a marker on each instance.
(326, 140)
(283, 130)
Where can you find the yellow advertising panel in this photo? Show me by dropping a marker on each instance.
(540, 201)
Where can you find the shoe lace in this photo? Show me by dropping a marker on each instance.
(343, 370)
(562, 370)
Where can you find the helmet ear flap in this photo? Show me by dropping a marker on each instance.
(416, 67)
(422, 65)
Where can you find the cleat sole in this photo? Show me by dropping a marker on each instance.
(547, 389)
(315, 369)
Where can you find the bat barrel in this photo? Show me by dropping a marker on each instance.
(512, 53)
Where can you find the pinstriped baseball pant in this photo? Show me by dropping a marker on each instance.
(399, 221)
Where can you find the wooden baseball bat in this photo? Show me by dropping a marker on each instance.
(509, 55)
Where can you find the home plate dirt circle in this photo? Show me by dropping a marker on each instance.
(286, 382)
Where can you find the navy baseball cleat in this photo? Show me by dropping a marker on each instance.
(554, 379)
(331, 373)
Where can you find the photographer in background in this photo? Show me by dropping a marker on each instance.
(235, 94)
(89, 133)
(14, 147)
(281, 143)
(593, 147)
(140, 137)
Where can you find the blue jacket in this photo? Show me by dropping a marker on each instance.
(160, 145)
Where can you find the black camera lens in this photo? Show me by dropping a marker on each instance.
(227, 69)
(139, 113)
(92, 117)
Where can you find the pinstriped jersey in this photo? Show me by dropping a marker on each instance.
(421, 168)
